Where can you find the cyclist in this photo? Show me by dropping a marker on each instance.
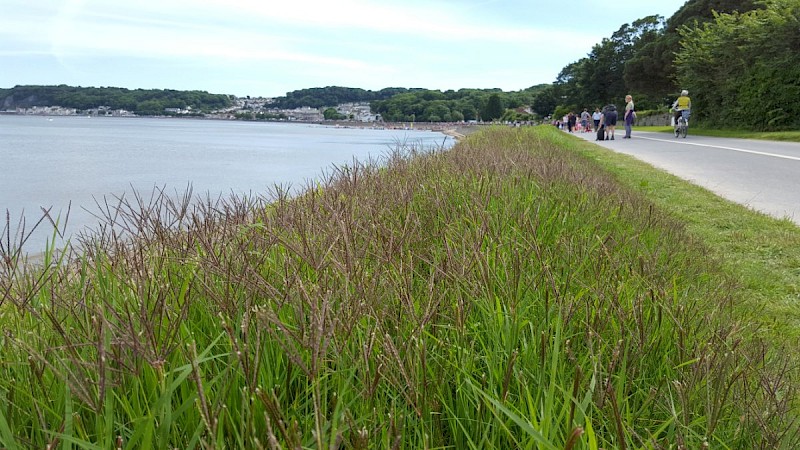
(683, 103)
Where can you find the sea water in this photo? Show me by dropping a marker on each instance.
(73, 163)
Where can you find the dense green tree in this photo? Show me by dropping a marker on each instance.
(644, 68)
(652, 71)
(600, 79)
(575, 82)
(150, 107)
(333, 114)
(494, 108)
(333, 96)
(449, 106)
(696, 12)
(437, 111)
(545, 101)
(638, 59)
(467, 110)
(743, 69)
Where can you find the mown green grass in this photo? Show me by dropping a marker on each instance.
(788, 136)
(509, 293)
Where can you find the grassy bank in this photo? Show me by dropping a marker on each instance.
(510, 293)
(761, 252)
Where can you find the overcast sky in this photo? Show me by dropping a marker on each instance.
(270, 47)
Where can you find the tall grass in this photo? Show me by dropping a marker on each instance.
(503, 294)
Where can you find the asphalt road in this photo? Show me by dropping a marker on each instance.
(762, 175)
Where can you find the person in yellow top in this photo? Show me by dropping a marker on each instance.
(683, 103)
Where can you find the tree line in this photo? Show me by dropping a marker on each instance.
(455, 106)
(418, 104)
(321, 97)
(139, 101)
(737, 58)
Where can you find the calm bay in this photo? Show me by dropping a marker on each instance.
(55, 162)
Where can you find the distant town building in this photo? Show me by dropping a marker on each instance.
(305, 114)
(360, 112)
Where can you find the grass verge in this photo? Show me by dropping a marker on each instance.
(509, 293)
(761, 252)
(788, 136)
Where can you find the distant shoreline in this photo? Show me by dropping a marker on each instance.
(457, 131)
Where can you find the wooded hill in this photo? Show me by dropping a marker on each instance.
(321, 97)
(139, 101)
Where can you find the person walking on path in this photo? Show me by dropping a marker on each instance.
(629, 116)
(596, 118)
(600, 126)
(610, 120)
(585, 121)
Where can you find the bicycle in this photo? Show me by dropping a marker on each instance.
(682, 125)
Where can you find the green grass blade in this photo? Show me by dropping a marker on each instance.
(522, 423)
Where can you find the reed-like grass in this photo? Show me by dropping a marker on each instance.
(504, 294)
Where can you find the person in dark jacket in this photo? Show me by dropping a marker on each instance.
(572, 119)
(610, 116)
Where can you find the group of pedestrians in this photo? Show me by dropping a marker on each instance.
(571, 123)
(605, 120)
